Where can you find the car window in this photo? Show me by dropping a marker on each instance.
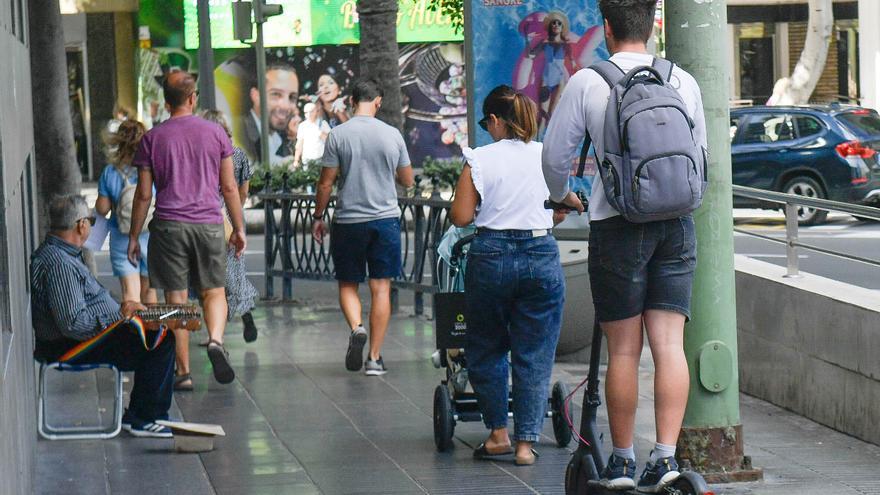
(764, 128)
(734, 125)
(807, 126)
(863, 122)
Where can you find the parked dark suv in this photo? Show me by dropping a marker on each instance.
(817, 151)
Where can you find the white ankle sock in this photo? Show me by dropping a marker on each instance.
(660, 451)
(627, 453)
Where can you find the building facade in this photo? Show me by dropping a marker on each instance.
(766, 39)
(100, 40)
(18, 433)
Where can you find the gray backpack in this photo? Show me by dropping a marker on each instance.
(653, 168)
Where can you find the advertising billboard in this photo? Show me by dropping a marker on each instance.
(533, 46)
(318, 22)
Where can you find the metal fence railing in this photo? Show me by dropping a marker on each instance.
(291, 252)
(791, 203)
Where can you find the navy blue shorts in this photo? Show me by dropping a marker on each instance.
(374, 244)
(639, 266)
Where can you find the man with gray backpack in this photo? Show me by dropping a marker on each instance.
(644, 117)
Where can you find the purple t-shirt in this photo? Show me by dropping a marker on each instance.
(184, 154)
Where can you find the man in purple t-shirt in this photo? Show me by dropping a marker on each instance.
(189, 159)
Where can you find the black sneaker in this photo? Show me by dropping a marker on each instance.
(219, 358)
(250, 329)
(658, 475)
(619, 474)
(375, 368)
(355, 352)
(144, 429)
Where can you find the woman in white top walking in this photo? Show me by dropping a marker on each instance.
(514, 278)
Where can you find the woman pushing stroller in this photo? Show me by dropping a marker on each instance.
(514, 278)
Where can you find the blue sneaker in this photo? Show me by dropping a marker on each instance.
(619, 474)
(658, 475)
(144, 429)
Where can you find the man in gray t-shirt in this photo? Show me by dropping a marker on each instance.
(365, 155)
(367, 152)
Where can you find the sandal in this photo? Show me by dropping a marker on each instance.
(481, 452)
(183, 383)
(526, 461)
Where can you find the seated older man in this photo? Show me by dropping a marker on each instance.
(70, 306)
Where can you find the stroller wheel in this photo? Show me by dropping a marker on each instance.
(557, 404)
(444, 424)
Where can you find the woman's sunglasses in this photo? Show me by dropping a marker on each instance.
(484, 123)
(556, 23)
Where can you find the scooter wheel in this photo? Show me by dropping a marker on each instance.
(689, 483)
(580, 475)
(444, 423)
(561, 430)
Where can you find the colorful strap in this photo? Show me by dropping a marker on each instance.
(136, 322)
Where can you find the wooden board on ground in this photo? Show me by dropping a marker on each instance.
(193, 437)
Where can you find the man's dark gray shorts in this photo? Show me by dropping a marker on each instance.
(186, 255)
(640, 266)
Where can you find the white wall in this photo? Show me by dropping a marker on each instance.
(74, 28)
(810, 345)
(869, 52)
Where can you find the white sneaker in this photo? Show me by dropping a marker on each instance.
(375, 368)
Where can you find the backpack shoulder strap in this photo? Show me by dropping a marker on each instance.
(126, 174)
(585, 150)
(664, 67)
(609, 71)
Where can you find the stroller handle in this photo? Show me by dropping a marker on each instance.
(458, 247)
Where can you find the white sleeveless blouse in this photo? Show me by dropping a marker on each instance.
(507, 174)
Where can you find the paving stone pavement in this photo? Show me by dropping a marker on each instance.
(298, 423)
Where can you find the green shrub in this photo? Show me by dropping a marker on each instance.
(444, 172)
(299, 179)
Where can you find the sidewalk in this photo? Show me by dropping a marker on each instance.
(298, 423)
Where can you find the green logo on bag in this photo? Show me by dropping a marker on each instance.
(459, 318)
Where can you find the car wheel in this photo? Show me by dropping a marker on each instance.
(807, 187)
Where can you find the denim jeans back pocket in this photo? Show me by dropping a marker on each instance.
(544, 265)
(485, 263)
(617, 249)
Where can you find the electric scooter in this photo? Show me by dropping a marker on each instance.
(588, 461)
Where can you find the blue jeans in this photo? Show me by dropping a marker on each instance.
(516, 290)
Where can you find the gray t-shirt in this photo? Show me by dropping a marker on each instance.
(367, 152)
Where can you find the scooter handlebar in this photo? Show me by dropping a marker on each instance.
(549, 204)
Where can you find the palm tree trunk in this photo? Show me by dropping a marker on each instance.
(55, 159)
(379, 55)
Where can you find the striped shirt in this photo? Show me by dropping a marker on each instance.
(67, 300)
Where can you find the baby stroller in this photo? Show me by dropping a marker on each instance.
(453, 401)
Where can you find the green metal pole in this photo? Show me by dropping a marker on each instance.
(711, 439)
(260, 50)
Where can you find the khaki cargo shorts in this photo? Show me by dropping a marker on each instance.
(186, 255)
